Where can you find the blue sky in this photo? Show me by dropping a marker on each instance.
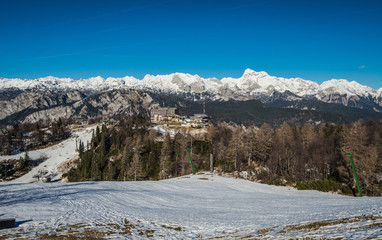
(314, 40)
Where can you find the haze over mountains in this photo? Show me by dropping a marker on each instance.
(29, 100)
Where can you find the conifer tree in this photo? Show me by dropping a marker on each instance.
(81, 148)
(136, 167)
(165, 158)
(95, 172)
(110, 172)
(127, 156)
(23, 161)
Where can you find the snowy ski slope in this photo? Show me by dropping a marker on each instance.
(199, 206)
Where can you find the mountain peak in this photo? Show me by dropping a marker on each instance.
(248, 71)
(343, 86)
(251, 73)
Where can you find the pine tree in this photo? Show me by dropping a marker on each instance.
(165, 158)
(10, 143)
(23, 162)
(110, 172)
(136, 167)
(95, 172)
(81, 148)
(127, 156)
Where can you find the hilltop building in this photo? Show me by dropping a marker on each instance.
(167, 113)
(200, 120)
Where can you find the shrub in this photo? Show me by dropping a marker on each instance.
(276, 182)
(326, 185)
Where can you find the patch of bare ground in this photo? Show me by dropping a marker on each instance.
(78, 231)
(86, 234)
(127, 228)
(265, 231)
(239, 234)
(147, 233)
(177, 228)
(323, 227)
(75, 231)
(313, 226)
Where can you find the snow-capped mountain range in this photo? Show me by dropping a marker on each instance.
(251, 83)
(51, 97)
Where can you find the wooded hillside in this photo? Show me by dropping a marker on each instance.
(313, 157)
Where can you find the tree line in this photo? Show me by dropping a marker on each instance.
(307, 156)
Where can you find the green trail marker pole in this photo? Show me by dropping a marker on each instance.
(189, 156)
(355, 174)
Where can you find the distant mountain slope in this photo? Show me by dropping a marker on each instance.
(254, 112)
(32, 106)
(273, 112)
(351, 113)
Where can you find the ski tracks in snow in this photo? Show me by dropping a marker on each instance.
(185, 208)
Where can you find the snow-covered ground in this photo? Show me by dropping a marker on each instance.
(55, 155)
(196, 206)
